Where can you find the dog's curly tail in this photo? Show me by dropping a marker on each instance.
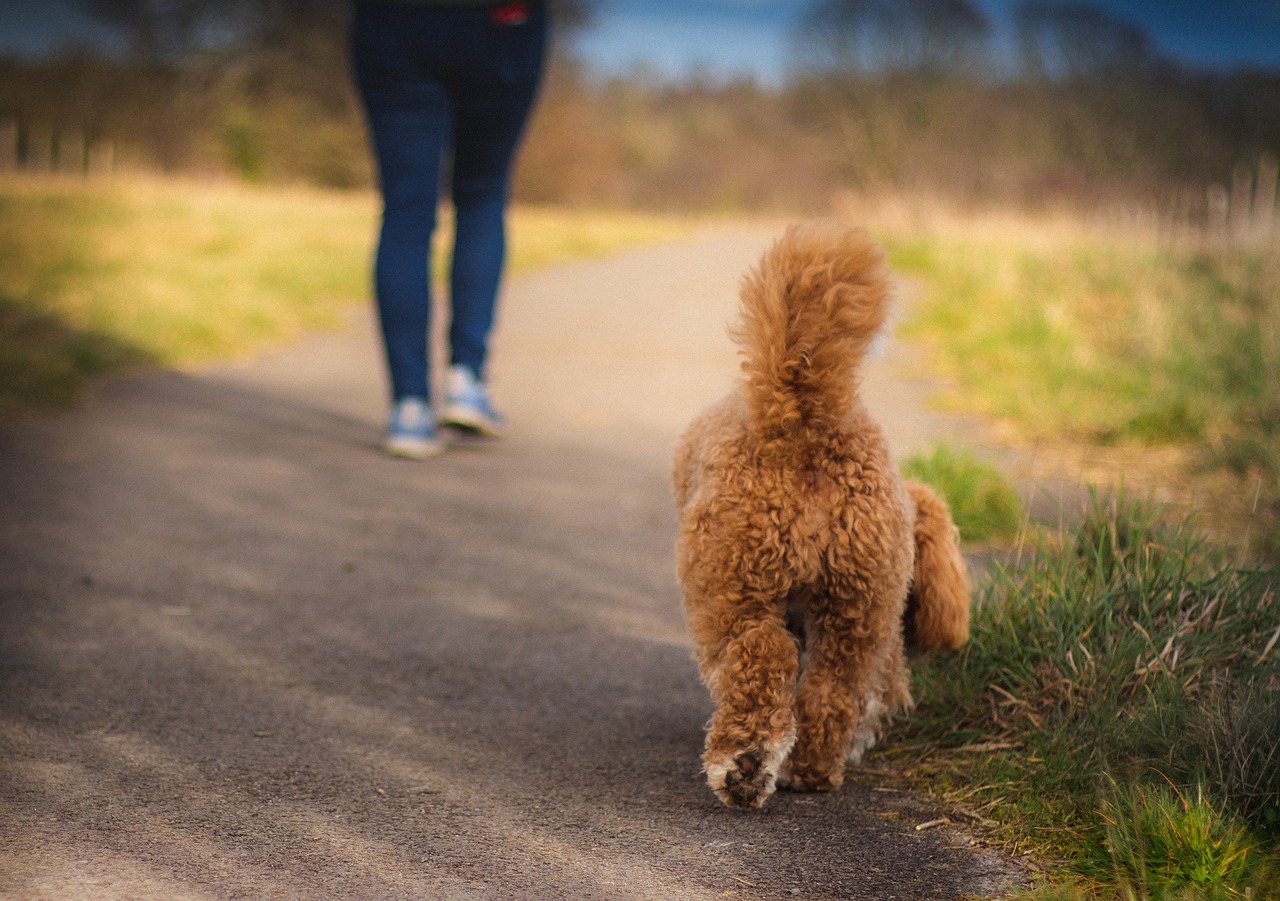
(810, 310)
(937, 615)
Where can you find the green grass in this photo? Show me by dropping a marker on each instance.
(1117, 710)
(984, 505)
(1113, 338)
(102, 276)
(1165, 843)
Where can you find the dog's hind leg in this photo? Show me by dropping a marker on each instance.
(853, 679)
(752, 677)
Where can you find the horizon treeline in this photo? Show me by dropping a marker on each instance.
(885, 98)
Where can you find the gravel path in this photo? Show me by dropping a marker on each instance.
(244, 655)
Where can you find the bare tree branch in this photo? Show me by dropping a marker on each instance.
(919, 36)
(1076, 40)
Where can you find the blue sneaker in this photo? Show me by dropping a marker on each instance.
(412, 432)
(467, 406)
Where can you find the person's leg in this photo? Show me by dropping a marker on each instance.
(409, 119)
(478, 259)
(491, 113)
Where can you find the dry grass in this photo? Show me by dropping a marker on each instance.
(1130, 350)
(99, 276)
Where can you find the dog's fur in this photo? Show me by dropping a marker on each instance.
(807, 563)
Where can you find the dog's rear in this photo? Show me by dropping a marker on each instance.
(798, 538)
(810, 312)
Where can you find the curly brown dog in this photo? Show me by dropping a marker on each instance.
(807, 563)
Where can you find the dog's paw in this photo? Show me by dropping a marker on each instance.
(808, 780)
(743, 781)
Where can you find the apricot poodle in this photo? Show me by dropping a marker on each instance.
(807, 563)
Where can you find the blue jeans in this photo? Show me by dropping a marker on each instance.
(435, 80)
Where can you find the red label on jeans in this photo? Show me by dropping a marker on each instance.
(511, 14)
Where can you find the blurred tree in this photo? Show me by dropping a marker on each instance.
(161, 31)
(571, 16)
(172, 30)
(268, 82)
(874, 70)
(1078, 41)
(260, 89)
(928, 37)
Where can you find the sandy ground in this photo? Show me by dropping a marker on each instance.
(244, 655)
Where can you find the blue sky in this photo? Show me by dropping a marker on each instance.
(33, 28)
(726, 38)
(738, 37)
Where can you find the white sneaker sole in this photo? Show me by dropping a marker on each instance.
(411, 448)
(470, 420)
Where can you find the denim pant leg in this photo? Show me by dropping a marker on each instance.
(410, 122)
(410, 146)
(490, 117)
(433, 80)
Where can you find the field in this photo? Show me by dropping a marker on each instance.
(1115, 715)
(1123, 352)
(103, 276)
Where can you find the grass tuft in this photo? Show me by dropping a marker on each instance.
(1231, 739)
(1162, 843)
(1132, 653)
(985, 506)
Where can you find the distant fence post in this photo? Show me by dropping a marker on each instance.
(1218, 202)
(39, 155)
(1264, 195)
(101, 159)
(71, 152)
(41, 148)
(1250, 209)
(1241, 199)
(8, 145)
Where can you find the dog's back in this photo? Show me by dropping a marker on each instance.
(792, 456)
(798, 437)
